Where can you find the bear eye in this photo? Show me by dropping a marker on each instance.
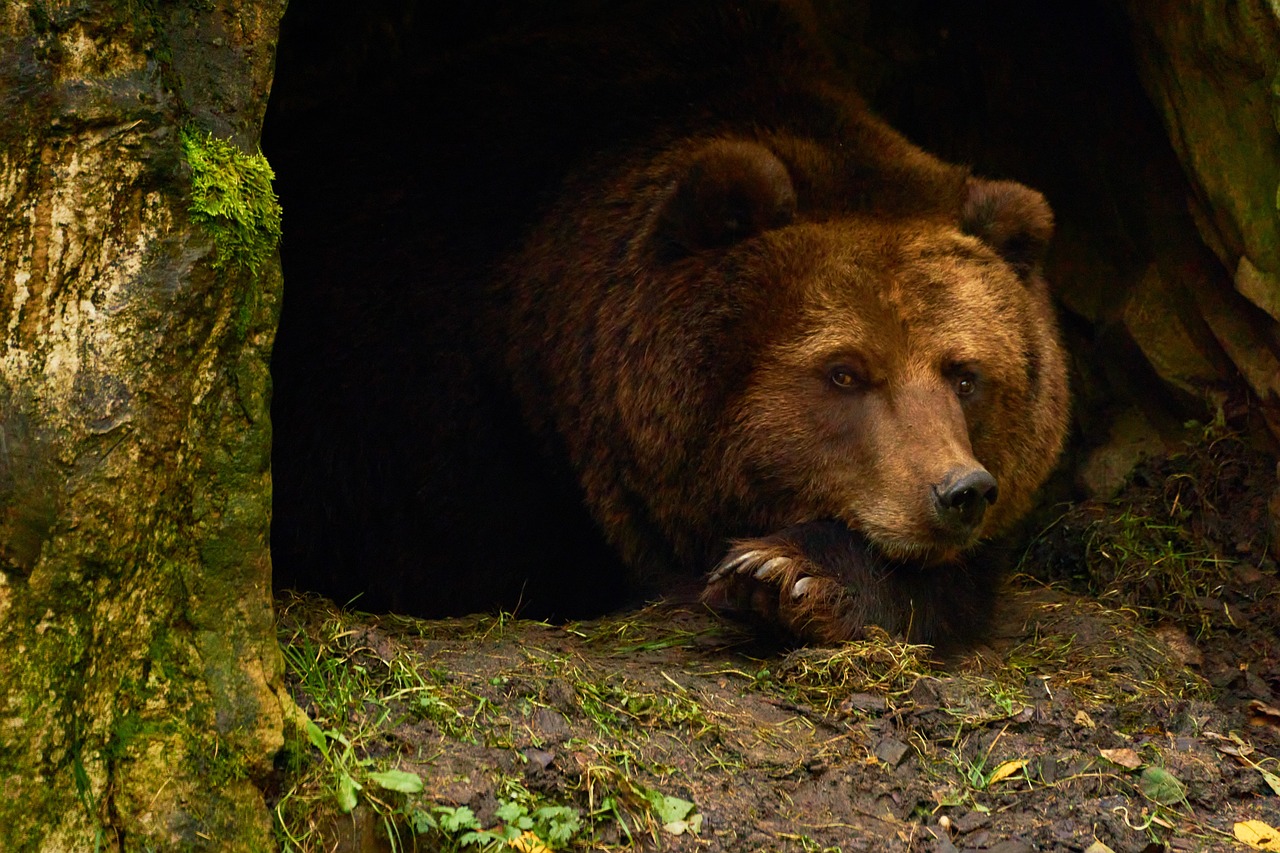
(843, 377)
(965, 384)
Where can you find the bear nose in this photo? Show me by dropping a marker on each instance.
(963, 496)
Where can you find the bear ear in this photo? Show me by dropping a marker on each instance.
(1013, 219)
(729, 191)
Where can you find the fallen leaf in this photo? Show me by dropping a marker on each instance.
(1257, 706)
(1262, 714)
(1006, 769)
(1272, 779)
(1231, 745)
(527, 842)
(680, 827)
(1098, 847)
(669, 809)
(1124, 757)
(1258, 835)
(1237, 748)
(1161, 786)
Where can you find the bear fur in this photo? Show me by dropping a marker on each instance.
(685, 335)
(754, 331)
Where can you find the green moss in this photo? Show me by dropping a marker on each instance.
(232, 200)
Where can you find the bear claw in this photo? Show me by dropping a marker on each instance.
(770, 567)
(727, 566)
(780, 585)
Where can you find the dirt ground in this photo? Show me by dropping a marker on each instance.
(1129, 702)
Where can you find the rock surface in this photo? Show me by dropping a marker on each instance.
(1213, 72)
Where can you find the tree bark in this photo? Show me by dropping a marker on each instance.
(140, 680)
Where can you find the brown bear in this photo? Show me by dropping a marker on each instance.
(793, 330)
(740, 336)
(753, 331)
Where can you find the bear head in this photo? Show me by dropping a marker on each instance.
(894, 368)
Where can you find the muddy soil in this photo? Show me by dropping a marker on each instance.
(1128, 703)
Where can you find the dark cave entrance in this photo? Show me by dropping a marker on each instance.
(398, 185)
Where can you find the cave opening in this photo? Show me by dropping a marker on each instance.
(405, 166)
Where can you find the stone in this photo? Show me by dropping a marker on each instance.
(1131, 439)
(1210, 69)
(1162, 320)
(1258, 287)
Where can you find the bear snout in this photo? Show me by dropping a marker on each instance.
(962, 498)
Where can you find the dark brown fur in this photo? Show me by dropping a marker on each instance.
(670, 325)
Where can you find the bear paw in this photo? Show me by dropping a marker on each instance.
(774, 581)
(824, 583)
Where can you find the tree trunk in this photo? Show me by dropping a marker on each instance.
(142, 701)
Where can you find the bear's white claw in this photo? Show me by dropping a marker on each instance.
(728, 566)
(801, 587)
(768, 567)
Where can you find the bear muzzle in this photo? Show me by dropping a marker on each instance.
(961, 499)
